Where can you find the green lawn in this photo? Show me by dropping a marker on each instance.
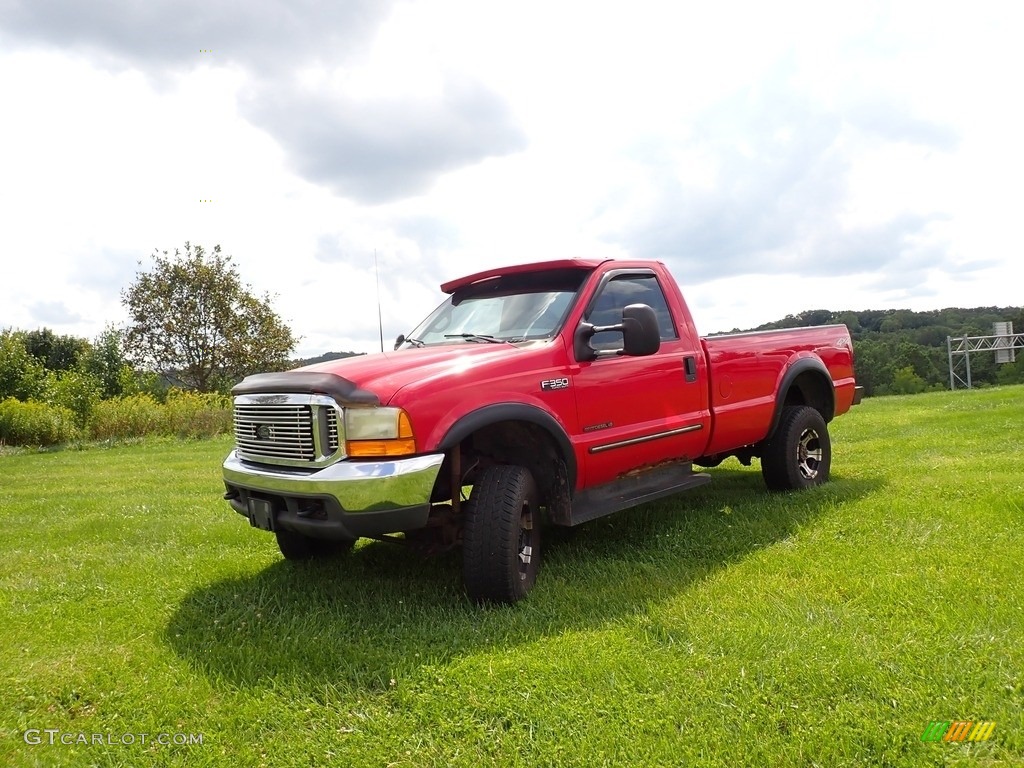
(723, 627)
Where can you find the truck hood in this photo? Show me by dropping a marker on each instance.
(385, 373)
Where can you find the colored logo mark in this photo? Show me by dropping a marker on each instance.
(958, 730)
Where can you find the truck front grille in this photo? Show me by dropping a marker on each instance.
(293, 430)
(332, 430)
(275, 432)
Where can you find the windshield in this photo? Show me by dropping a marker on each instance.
(514, 308)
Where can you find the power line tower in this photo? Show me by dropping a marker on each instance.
(1003, 341)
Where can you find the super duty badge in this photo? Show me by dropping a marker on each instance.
(548, 384)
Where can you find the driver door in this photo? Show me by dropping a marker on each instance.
(636, 412)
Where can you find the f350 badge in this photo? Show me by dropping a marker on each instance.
(549, 384)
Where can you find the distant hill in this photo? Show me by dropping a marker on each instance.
(323, 358)
(900, 351)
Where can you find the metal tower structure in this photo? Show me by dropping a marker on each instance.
(1003, 341)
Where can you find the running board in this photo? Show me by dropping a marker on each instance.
(631, 490)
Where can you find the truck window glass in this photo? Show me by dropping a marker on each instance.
(616, 295)
(518, 307)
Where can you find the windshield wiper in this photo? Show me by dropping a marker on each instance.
(477, 337)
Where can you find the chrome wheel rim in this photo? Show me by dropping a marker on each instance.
(808, 454)
(525, 543)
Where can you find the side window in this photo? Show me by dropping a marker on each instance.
(616, 295)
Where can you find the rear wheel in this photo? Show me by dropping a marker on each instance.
(295, 546)
(799, 452)
(501, 535)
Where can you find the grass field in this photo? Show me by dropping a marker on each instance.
(723, 627)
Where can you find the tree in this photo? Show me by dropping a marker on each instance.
(873, 366)
(906, 382)
(817, 317)
(193, 321)
(56, 353)
(1012, 373)
(21, 375)
(105, 362)
(75, 390)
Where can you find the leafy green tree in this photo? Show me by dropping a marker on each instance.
(1012, 373)
(932, 336)
(193, 321)
(76, 391)
(56, 353)
(850, 320)
(891, 324)
(896, 347)
(906, 382)
(817, 317)
(105, 362)
(929, 364)
(873, 366)
(21, 374)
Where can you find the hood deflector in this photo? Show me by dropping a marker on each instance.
(305, 382)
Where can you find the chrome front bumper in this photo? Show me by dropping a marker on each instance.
(344, 500)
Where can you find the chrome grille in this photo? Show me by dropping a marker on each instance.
(332, 430)
(293, 430)
(272, 431)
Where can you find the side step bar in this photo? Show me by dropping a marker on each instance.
(631, 490)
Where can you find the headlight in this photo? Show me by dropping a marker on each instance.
(378, 432)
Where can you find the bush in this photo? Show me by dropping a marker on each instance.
(21, 375)
(123, 417)
(1011, 373)
(34, 423)
(192, 414)
(906, 382)
(185, 414)
(104, 361)
(78, 392)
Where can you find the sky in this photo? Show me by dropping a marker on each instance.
(778, 157)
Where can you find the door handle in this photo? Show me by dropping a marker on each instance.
(690, 368)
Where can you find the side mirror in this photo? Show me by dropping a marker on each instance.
(640, 335)
(400, 340)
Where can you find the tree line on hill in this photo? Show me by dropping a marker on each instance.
(901, 352)
(326, 357)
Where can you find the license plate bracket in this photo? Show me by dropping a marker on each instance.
(261, 514)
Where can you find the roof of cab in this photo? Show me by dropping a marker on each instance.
(538, 266)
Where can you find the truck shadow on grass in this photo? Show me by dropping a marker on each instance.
(382, 612)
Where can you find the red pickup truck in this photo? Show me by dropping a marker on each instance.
(557, 392)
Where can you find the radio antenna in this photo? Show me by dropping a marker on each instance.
(380, 322)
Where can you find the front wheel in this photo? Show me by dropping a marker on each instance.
(799, 452)
(501, 535)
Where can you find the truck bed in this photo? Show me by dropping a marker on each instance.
(746, 373)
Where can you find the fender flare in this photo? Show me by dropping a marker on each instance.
(498, 412)
(798, 368)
